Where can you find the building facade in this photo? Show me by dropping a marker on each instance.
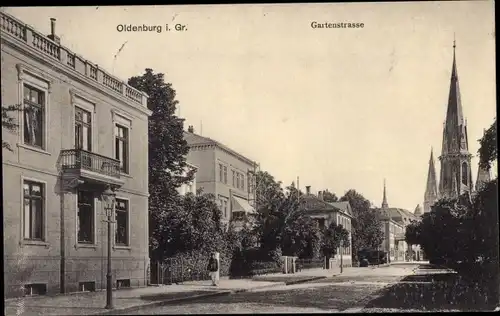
(226, 174)
(326, 213)
(81, 131)
(394, 222)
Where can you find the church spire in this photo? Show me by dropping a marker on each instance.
(384, 201)
(431, 193)
(455, 157)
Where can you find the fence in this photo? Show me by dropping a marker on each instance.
(173, 271)
(310, 263)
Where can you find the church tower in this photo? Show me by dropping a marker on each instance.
(431, 193)
(455, 177)
(384, 200)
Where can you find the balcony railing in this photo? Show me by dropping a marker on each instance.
(78, 159)
(25, 33)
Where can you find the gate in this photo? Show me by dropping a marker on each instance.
(174, 270)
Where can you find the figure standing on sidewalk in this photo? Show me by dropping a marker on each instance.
(213, 267)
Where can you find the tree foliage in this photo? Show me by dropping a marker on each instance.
(9, 121)
(166, 152)
(488, 147)
(332, 238)
(329, 197)
(366, 230)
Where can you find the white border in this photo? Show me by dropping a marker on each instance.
(42, 83)
(129, 232)
(44, 216)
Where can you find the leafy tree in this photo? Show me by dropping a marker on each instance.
(329, 197)
(488, 147)
(9, 122)
(366, 226)
(332, 237)
(300, 237)
(193, 225)
(167, 150)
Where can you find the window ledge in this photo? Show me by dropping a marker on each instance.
(28, 147)
(41, 243)
(94, 246)
(126, 175)
(122, 248)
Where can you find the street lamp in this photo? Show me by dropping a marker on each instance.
(108, 197)
(341, 255)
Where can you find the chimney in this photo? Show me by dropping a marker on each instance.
(320, 195)
(308, 189)
(53, 35)
(190, 129)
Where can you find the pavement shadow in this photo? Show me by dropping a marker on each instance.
(438, 291)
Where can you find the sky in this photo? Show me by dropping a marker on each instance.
(340, 108)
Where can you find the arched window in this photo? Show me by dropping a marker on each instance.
(465, 175)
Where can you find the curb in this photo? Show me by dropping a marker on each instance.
(305, 280)
(185, 299)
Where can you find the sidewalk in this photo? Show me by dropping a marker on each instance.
(92, 303)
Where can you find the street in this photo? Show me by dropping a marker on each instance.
(349, 292)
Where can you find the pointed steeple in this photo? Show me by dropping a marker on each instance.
(455, 158)
(418, 210)
(431, 193)
(384, 200)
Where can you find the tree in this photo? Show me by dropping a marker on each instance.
(488, 147)
(301, 237)
(194, 225)
(329, 197)
(9, 122)
(366, 226)
(332, 237)
(167, 150)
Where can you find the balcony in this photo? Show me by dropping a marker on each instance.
(90, 167)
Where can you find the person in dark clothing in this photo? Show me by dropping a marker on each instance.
(213, 268)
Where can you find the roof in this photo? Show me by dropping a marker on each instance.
(194, 140)
(343, 206)
(312, 203)
(397, 214)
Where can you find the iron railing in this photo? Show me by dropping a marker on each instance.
(74, 159)
(310, 263)
(174, 270)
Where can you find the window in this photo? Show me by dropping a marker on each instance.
(464, 173)
(33, 210)
(242, 182)
(85, 217)
(221, 173)
(83, 129)
(86, 286)
(121, 222)
(225, 174)
(237, 180)
(234, 178)
(35, 289)
(121, 147)
(34, 106)
(122, 283)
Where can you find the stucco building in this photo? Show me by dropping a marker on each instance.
(326, 213)
(82, 131)
(189, 187)
(394, 221)
(226, 174)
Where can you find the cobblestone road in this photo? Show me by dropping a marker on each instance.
(341, 293)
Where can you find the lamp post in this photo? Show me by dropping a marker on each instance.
(108, 197)
(341, 256)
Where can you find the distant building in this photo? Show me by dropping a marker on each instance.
(86, 131)
(394, 222)
(226, 174)
(189, 187)
(326, 213)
